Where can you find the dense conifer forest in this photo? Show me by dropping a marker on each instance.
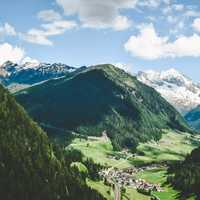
(30, 167)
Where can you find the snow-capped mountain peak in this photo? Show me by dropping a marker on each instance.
(29, 65)
(7, 68)
(176, 88)
(30, 73)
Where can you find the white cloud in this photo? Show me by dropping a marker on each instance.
(149, 45)
(58, 27)
(7, 29)
(99, 14)
(42, 34)
(36, 36)
(11, 53)
(126, 67)
(196, 24)
(49, 15)
(146, 45)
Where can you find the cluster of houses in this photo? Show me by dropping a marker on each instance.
(146, 188)
(126, 177)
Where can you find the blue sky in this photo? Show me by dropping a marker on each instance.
(134, 34)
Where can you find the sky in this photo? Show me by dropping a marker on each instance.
(136, 35)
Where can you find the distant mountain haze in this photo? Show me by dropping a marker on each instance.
(193, 118)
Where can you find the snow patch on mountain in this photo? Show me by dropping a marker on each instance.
(15, 76)
(175, 87)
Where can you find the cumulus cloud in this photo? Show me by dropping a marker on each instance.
(126, 67)
(41, 35)
(7, 29)
(196, 24)
(99, 14)
(49, 15)
(149, 45)
(11, 53)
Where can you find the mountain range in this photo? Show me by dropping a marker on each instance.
(176, 88)
(101, 98)
(15, 76)
(179, 90)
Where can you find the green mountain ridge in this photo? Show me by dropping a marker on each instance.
(193, 118)
(102, 98)
(29, 168)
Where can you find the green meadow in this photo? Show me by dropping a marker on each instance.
(172, 146)
(99, 150)
(159, 176)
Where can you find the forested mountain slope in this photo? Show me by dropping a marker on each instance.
(186, 174)
(102, 98)
(29, 168)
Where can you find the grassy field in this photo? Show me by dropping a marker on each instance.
(159, 176)
(172, 146)
(106, 191)
(99, 149)
(132, 194)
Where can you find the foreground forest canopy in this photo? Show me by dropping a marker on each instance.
(30, 168)
(102, 98)
(186, 175)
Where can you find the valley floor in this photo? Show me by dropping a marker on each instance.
(173, 146)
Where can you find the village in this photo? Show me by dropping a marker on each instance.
(126, 177)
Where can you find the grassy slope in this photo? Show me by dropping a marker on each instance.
(133, 194)
(159, 176)
(98, 149)
(101, 188)
(171, 147)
